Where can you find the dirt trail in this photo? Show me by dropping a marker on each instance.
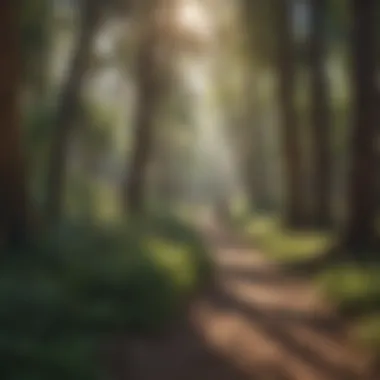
(255, 323)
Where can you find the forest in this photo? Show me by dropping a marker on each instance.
(189, 190)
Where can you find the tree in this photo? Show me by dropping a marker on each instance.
(294, 214)
(258, 163)
(258, 21)
(68, 108)
(320, 117)
(145, 115)
(14, 222)
(163, 36)
(360, 232)
(36, 17)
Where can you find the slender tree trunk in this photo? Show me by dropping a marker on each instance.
(14, 223)
(262, 194)
(69, 107)
(294, 214)
(256, 164)
(35, 55)
(43, 60)
(148, 90)
(320, 116)
(361, 229)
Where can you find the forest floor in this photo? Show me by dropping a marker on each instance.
(255, 322)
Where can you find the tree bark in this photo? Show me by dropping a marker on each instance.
(148, 91)
(14, 222)
(294, 212)
(69, 107)
(262, 195)
(360, 231)
(320, 116)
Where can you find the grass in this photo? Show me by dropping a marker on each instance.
(354, 288)
(356, 292)
(83, 283)
(286, 245)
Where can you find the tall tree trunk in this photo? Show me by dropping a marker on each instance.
(320, 116)
(262, 194)
(14, 224)
(69, 106)
(294, 213)
(361, 229)
(256, 164)
(43, 59)
(35, 20)
(148, 91)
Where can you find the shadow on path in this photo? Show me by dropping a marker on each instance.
(255, 323)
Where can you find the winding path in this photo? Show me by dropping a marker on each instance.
(256, 323)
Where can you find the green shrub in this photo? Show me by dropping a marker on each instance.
(286, 246)
(352, 287)
(85, 282)
(355, 289)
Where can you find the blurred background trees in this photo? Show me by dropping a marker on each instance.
(297, 124)
(114, 111)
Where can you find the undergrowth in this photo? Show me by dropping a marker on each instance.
(353, 287)
(82, 284)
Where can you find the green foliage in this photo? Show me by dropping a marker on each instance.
(38, 121)
(351, 285)
(353, 288)
(95, 130)
(82, 284)
(286, 245)
(367, 329)
(356, 292)
(94, 134)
